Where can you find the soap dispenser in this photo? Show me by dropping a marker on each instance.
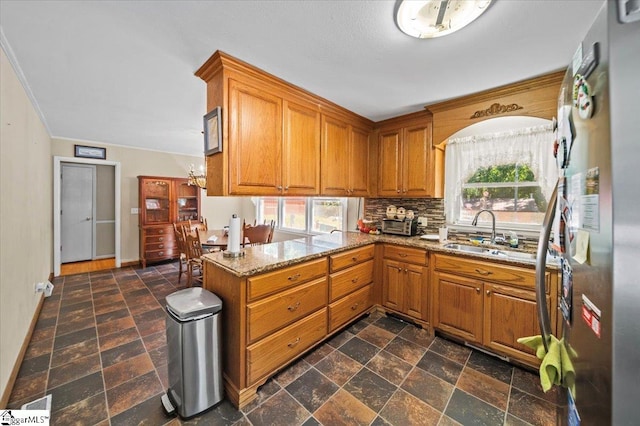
(513, 239)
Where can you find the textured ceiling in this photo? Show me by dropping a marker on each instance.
(122, 72)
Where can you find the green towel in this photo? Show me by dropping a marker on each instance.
(556, 367)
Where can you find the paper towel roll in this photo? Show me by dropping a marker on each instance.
(233, 245)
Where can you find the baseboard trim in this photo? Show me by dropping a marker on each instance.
(6, 394)
(130, 263)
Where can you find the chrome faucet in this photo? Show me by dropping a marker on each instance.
(493, 223)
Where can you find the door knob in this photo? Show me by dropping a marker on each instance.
(88, 218)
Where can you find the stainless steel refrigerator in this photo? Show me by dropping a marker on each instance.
(597, 220)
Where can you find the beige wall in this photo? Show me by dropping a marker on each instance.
(26, 225)
(136, 162)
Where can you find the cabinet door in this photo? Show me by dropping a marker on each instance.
(359, 167)
(416, 291)
(389, 172)
(335, 157)
(186, 201)
(392, 284)
(155, 201)
(301, 150)
(457, 305)
(255, 140)
(416, 146)
(510, 313)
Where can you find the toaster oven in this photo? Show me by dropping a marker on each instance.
(407, 227)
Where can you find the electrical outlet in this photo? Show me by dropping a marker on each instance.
(422, 221)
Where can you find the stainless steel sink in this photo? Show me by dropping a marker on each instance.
(467, 248)
(509, 254)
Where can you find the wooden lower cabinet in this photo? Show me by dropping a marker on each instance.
(272, 352)
(405, 286)
(489, 313)
(270, 319)
(157, 243)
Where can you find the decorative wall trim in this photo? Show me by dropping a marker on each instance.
(495, 109)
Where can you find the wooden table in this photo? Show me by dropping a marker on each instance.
(220, 242)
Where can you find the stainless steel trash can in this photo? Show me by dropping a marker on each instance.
(193, 349)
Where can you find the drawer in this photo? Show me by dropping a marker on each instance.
(272, 282)
(489, 271)
(271, 353)
(344, 282)
(351, 257)
(276, 311)
(158, 238)
(406, 254)
(160, 246)
(160, 254)
(166, 230)
(349, 307)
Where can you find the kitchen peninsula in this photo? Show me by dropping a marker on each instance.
(284, 298)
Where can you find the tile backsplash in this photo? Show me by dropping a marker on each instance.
(433, 210)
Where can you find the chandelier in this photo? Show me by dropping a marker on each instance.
(199, 180)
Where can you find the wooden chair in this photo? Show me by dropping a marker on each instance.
(253, 235)
(182, 248)
(202, 225)
(194, 254)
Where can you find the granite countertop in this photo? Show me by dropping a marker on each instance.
(268, 257)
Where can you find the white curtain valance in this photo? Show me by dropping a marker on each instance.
(464, 156)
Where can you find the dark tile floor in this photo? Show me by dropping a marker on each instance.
(99, 348)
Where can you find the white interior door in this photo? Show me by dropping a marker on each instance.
(77, 212)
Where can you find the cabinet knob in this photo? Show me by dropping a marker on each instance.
(354, 307)
(294, 277)
(354, 258)
(405, 270)
(286, 188)
(293, 308)
(488, 293)
(295, 342)
(398, 191)
(477, 289)
(279, 187)
(355, 280)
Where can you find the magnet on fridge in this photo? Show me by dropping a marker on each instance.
(582, 97)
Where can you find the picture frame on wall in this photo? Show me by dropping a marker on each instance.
(95, 152)
(213, 132)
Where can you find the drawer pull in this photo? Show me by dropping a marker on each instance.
(483, 272)
(292, 308)
(354, 258)
(161, 253)
(161, 239)
(161, 231)
(161, 246)
(354, 307)
(355, 280)
(402, 254)
(294, 343)
(294, 277)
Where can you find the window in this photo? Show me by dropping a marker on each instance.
(311, 215)
(510, 173)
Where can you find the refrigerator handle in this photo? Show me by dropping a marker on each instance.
(541, 264)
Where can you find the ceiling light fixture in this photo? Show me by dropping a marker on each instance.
(436, 18)
(199, 180)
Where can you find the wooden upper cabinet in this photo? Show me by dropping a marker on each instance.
(255, 156)
(404, 156)
(301, 150)
(389, 159)
(345, 158)
(276, 136)
(359, 162)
